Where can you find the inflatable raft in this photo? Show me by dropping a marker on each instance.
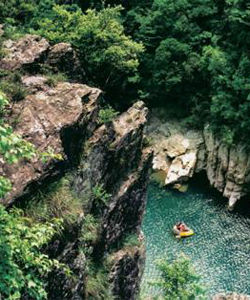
(179, 233)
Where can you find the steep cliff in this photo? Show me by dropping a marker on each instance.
(106, 165)
(180, 152)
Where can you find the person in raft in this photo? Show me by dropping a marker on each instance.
(181, 227)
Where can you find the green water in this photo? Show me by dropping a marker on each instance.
(220, 250)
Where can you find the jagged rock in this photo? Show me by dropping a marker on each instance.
(33, 84)
(67, 250)
(126, 272)
(176, 151)
(25, 51)
(180, 152)
(228, 169)
(231, 296)
(63, 58)
(114, 159)
(182, 168)
(44, 119)
(126, 208)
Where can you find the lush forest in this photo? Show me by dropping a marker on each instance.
(191, 57)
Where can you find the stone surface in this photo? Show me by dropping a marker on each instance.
(126, 272)
(176, 150)
(228, 169)
(25, 51)
(61, 57)
(179, 153)
(35, 84)
(114, 159)
(43, 118)
(231, 296)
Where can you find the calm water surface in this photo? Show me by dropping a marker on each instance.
(220, 249)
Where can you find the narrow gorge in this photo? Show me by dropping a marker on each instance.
(96, 175)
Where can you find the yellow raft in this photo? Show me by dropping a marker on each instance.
(183, 234)
(186, 233)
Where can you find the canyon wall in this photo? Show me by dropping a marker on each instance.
(180, 152)
(108, 170)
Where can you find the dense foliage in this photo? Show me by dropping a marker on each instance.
(196, 53)
(179, 280)
(24, 267)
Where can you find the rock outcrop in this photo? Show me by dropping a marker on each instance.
(231, 296)
(175, 150)
(228, 168)
(63, 119)
(44, 119)
(181, 152)
(28, 50)
(126, 272)
(113, 158)
(31, 52)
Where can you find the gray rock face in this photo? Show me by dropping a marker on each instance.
(43, 119)
(113, 158)
(127, 268)
(180, 153)
(232, 296)
(25, 51)
(228, 169)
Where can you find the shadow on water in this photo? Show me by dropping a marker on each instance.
(221, 245)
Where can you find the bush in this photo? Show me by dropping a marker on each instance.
(56, 201)
(179, 280)
(97, 287)
(11, 85)
(24, 268)
(106, 115)
(100, 195)
(53, 79)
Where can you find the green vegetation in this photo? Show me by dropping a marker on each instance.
(12, 86)
(107, 55)
(24, 267)
(179, 280)
(106, 115)
(101, 197)
(98, 283)
(55, 201)
(89, 233)
(131, 240)
(53, 79)
(190, 57)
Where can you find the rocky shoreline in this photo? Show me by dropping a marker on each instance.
(181, 152)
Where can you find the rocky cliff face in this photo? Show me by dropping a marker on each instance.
(63, 119)
(181, 152)
(232, 296)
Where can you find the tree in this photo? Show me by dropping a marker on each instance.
(108, 57)
(178, 280)
(24, 268)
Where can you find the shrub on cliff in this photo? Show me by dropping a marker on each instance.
(24, 267)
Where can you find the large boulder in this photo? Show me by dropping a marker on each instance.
(44, 119)
(176, 150)
(25, 51)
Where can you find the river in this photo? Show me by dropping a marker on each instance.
(220, 248)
